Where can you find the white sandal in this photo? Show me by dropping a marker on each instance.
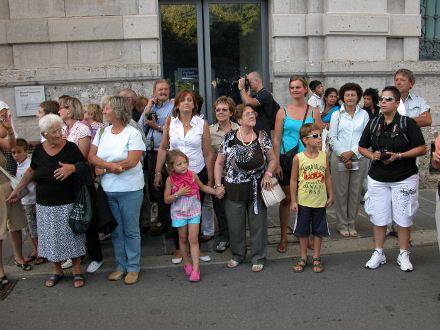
(257, 268)
(232, 263)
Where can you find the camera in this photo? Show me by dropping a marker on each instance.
(151, 116)
(383, 154)
(246, 83)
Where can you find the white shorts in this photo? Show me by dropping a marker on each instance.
(392, 201)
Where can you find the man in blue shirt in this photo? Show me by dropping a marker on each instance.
(153, 120)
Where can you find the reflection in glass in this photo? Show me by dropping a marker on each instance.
(179, 46)
(236, 45)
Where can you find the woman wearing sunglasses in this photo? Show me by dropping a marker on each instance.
(348, 166)
(224, 109)
(392, 142)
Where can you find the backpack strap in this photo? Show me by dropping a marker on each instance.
(373, 127)
(403, 124)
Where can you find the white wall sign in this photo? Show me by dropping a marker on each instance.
(28, 99)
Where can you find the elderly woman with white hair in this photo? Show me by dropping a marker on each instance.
(53, 168)
(116, 153)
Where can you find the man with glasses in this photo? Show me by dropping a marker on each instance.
(260, 99)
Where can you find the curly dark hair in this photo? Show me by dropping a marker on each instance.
(373, 93)
(350, 87)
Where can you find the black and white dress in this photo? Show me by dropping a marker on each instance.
(54, 198)
(245, 166)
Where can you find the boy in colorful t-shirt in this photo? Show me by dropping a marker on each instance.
(311, 192)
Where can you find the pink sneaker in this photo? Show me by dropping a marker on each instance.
(188, 269)
(195, 276)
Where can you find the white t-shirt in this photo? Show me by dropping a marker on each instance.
(115, 148)
(29, 199)
(316, 102)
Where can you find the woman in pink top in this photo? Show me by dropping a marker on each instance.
(182, 192)
(71, 112)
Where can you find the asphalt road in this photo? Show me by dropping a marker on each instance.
(345, 296)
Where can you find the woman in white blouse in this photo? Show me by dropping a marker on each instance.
(190, 134)
(347, 164)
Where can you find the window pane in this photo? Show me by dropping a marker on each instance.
(430, 39)
(235, 34)
(179, 46)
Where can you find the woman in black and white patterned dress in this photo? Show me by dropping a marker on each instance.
(52, 168)
(249, 161)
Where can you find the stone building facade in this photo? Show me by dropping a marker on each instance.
(90, 48)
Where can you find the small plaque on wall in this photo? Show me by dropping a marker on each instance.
(28, 99)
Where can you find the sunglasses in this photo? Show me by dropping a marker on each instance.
(386, 98)
(315, 136)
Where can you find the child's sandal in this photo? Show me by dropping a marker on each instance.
(299, 266)
(317, 266)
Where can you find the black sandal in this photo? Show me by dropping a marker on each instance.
(53, 279)
(4, 281)
(79, 278)
(317, 266)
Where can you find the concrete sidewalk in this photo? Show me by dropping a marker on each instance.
(157, 251)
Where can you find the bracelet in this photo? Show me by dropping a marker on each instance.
(158, 173)
(268, 173)
(218, 186)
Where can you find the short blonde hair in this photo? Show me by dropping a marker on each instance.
(94, 111)
(120, 107)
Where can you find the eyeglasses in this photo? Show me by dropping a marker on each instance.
(221, 110)
(55, 131)
(386, 98)
(315, 136)
(250, 114)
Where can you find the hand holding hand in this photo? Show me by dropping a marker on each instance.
(14, 197)
(393, 157)
(114, 168)
(376, 155)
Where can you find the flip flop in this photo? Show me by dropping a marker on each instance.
(53, 280)
(40, 260)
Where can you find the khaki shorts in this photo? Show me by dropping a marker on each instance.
(11, 215)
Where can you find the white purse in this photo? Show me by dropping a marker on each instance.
(274, 195)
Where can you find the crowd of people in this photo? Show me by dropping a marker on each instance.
(324, 149)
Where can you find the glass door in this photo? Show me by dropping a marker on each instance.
(208, 44)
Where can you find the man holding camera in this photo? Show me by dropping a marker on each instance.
(262, 101)
(152, 120)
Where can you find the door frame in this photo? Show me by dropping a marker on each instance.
(204, 45)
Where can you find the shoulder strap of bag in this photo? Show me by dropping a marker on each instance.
(8, 175)
(373, 127)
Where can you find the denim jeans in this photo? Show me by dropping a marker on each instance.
(126, 237)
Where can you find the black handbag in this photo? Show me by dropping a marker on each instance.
(105, 221)
(81, 214)
(286, 159)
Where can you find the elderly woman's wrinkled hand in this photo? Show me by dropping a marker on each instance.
(64, 171)
(266, 183)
